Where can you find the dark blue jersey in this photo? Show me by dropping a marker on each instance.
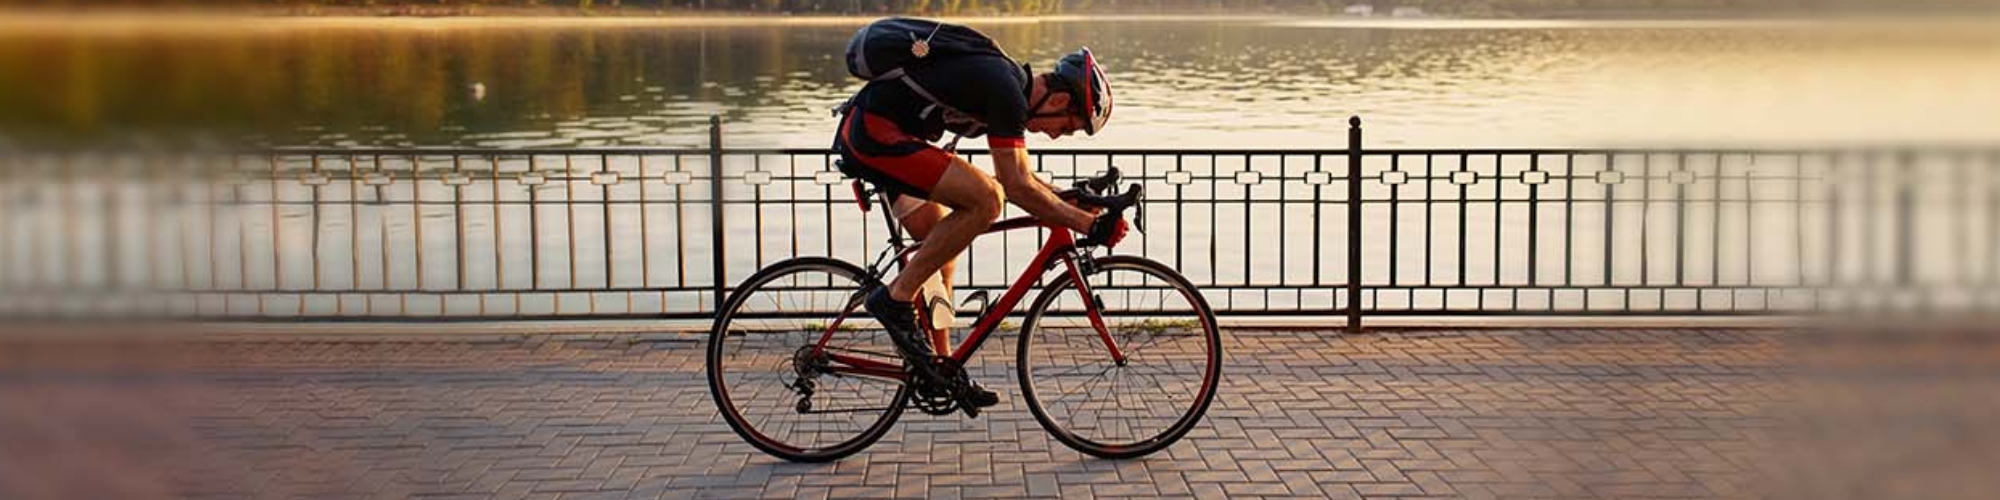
(989, 91)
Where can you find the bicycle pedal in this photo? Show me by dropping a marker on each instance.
(971, 401)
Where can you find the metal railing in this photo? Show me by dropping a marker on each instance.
(663, 233)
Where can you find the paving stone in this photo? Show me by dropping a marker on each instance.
(1404, 414)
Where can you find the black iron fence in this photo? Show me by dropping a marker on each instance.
(663, 233)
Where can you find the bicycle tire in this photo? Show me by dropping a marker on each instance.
(1070, 431)
(843, 279)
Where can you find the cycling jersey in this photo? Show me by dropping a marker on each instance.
(886, 134)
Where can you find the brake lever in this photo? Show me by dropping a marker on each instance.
(1109, 180)
(1139, 209)
(1098, 185)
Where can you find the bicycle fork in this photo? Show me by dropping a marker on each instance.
(1079, 264)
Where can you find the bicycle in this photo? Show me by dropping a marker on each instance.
(794, 373)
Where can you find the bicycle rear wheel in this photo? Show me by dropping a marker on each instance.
(778, 392)
(1172, 349)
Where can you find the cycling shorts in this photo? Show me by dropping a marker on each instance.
(874, 149)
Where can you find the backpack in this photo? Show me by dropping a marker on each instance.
(890, 48)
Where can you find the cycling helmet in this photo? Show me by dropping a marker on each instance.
(1090, 92)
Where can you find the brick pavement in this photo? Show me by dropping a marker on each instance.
(1450, 413)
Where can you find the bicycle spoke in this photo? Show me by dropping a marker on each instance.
(1099, 377)
(1118, 403)
(778, 318)
(1071, 371)
(1153, 397)
(1156, 384)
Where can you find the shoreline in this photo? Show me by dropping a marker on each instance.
(23, 22)
(30, 21)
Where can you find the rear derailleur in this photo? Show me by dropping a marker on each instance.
(807, 364)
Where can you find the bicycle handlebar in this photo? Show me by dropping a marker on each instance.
(1098, 185)
(1092, 188)
(1114, 203)
(1092, 192)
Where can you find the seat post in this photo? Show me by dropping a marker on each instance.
(889, 216)
(862, 189)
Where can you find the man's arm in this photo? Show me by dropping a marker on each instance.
(1010, 167)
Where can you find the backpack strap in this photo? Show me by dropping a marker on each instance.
(903, 75)
(978, 124)
(928, 96)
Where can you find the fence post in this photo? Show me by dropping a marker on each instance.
(1906, 232)
(1354, 224)
(715, 208)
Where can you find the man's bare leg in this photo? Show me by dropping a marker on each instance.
(975, 200)
(920, 219)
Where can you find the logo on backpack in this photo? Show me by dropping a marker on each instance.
(921, 48)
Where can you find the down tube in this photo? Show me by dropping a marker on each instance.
(1058, 241)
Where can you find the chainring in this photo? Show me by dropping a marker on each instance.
(939, 393)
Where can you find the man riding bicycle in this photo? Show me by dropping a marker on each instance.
(886, 138)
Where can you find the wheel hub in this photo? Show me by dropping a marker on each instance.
(807, 365)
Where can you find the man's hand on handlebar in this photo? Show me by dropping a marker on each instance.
(1098, 194)
(1106, 231)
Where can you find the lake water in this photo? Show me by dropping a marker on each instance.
(1182, 82)
(1271, 83)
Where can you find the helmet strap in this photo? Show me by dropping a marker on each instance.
(1052, 84)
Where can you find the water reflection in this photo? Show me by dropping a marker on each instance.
(1238, 83)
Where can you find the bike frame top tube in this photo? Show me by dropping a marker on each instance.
(1057, 246)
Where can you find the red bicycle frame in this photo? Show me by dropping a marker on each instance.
(1057, 247)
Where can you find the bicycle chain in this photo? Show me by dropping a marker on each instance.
(939, 389)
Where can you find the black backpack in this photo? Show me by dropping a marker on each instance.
(890, 48)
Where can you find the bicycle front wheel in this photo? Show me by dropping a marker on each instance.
(1097, 404)
(778, 386)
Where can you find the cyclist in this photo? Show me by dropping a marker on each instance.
(886, 137)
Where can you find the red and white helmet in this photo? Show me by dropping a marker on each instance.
(1090, 91)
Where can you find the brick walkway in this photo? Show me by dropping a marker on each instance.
(1455, 413)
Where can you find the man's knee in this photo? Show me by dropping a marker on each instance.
(990, 200)
(970, 193)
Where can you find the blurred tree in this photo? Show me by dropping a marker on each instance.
(1035, 7)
